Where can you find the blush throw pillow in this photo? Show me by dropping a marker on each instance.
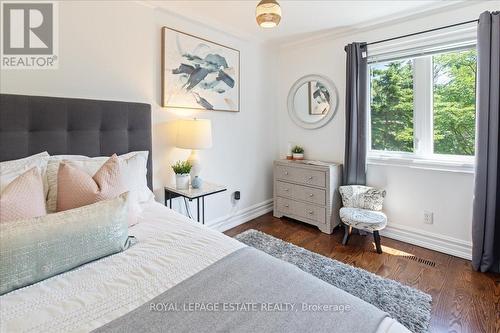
(75, 188)
(132, 166)
(24, 197)
(10, 170)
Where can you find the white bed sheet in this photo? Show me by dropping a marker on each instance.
(171, 248)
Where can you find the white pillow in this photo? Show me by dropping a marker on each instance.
(133, 167)
(10, 170)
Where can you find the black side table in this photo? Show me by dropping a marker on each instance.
(193, 193)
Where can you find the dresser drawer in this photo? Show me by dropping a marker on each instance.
(310, 212)
(285, 205)
(310, 194)
(285, 189)
(314, 214)
(300, 175)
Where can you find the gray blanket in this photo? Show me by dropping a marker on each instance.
(250, 291)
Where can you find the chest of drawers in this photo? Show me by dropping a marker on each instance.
(308, 192)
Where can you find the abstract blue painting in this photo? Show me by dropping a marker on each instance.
(199, 74)
(319, 98)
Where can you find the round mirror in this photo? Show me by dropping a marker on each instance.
(312, 101)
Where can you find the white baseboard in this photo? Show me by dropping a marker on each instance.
(449, 245)
(244, 215)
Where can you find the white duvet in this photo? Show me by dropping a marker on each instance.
(171, 248)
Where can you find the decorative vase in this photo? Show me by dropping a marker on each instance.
(289, 155)
(297, 156)
(196, 182)
(182, 181)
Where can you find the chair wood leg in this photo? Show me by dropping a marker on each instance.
(376, 236)
(347, 234)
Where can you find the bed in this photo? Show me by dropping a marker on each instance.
(180, 276)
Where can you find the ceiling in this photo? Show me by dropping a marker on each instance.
(300, 18)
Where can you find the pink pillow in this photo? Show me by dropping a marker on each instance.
(23, 198)
(75, 188)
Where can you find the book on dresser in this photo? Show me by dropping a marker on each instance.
(308, 191)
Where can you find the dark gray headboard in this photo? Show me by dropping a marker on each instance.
(32, 124)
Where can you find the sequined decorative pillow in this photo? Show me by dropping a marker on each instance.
(35, 249)
(364, 197)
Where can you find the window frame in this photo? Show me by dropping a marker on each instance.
(423, 155)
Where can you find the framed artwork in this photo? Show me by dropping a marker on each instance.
(319, 98)
(198, 74)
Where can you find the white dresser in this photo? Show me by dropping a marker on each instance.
(308, 192)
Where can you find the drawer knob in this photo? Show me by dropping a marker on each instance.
(286, 190)
(311, 212)
(286, 173)
(287, 206)
(311, 195)
(310, 177)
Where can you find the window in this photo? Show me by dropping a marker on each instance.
(423, 107)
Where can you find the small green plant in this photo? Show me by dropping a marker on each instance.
(182, 167)
(298, 150)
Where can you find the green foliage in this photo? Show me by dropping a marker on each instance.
(182, 167)
(392, 104)
(455, 102)
(298, 150)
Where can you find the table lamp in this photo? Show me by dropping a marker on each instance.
(194, 134)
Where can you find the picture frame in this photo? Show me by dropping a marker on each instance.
(319, 98)
(198, 74)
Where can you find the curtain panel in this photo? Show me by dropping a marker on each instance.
(486, 206)
(356, 108)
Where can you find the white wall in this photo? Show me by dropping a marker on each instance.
(410, 190)
(111, 50)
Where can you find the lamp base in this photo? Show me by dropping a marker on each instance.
(194, 160)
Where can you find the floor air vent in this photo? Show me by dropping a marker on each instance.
(421, 261)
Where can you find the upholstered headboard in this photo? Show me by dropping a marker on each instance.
(32, 124)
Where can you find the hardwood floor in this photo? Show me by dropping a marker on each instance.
(463, 300)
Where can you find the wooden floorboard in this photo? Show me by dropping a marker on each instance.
(463, 300)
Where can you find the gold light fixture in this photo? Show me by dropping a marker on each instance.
(268, 13)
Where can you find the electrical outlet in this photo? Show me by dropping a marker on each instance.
(428, 217)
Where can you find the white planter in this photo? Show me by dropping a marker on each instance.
(182, 181)
(298, 156)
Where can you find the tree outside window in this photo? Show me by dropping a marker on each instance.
(450, 107)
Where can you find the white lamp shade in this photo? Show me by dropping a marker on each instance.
(194, 134)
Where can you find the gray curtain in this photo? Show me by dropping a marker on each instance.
(356, 109)
(486, 207)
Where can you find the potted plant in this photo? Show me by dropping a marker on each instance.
(298, 153)
(182, 170)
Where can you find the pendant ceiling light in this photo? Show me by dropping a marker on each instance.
(268, 13)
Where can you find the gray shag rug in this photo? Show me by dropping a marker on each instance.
(409, 306)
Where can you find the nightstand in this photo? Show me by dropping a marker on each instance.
(194, 193)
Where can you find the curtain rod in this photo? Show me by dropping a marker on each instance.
(420, 32)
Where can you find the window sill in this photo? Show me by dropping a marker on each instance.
(422, 163)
